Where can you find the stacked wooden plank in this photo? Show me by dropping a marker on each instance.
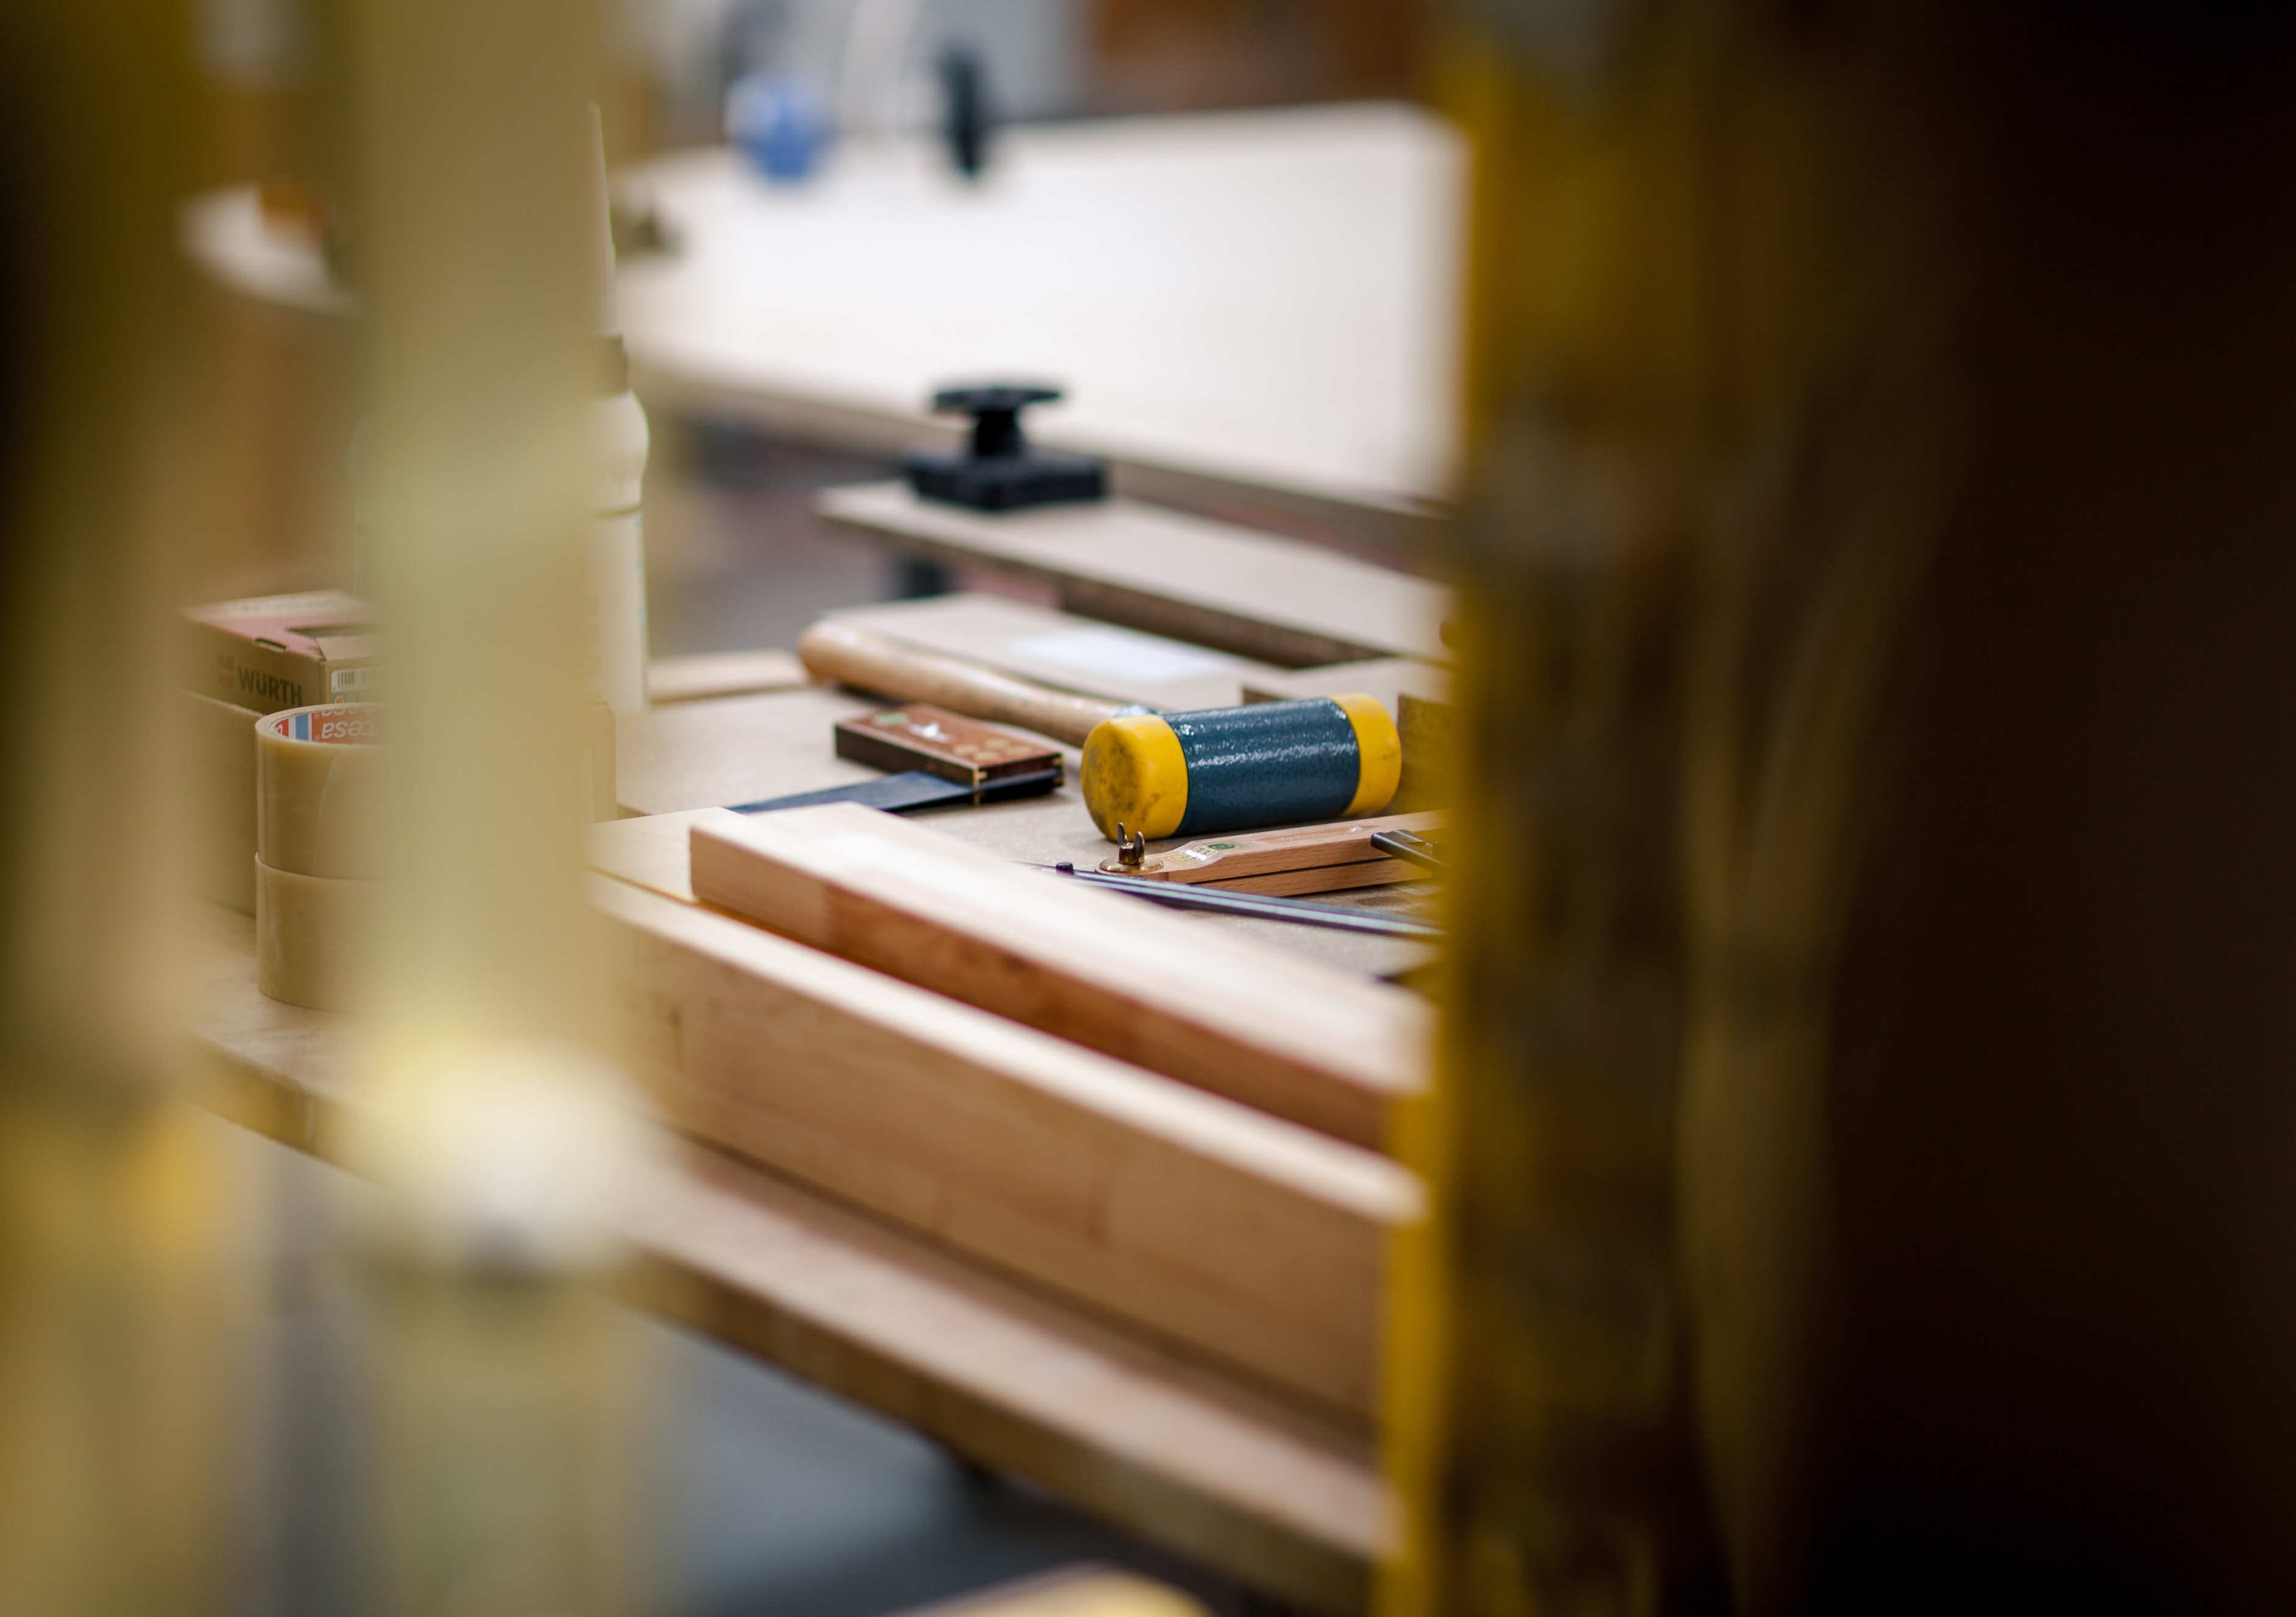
(1229, 1231)
(1284, 1035)
(1161, 1133)
(1170, 1128)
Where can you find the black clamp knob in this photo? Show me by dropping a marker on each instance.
(998, 471)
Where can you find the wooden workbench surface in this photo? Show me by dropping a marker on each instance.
(1006, 1376)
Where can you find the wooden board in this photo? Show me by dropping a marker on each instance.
(699, 677)
(999, 1373)
(1215, 1227)
(1274, 600)
(1225, 859)
(1285, 1035)
(1066, 651)
(651, 852)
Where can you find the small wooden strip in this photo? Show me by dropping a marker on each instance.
(1234, 1233)
(1324, 878)
(1224, 860)
(1287, 1036)
(704, 676)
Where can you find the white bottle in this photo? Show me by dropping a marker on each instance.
(616, 521)
(617, 551)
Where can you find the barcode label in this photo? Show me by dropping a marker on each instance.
(342, 680)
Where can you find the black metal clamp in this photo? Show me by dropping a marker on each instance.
(998, 470)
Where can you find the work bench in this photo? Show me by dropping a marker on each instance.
(1281, 1493)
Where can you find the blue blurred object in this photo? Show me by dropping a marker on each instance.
(779, 122)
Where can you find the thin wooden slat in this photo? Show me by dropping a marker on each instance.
(1062, 651)
(1251, 593)
(1287, 1036)
(703, 675)
(1328, 878)
(1225, 859)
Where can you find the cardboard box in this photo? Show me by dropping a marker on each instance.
(279, 652)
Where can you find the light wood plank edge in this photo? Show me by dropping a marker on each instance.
(1184, 620)
(1317, 879)
(706, 676)
(1148, 1442)
(780, 872)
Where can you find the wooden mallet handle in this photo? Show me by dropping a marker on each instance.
(870, 661)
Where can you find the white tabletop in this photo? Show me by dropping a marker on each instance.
(1266, 298)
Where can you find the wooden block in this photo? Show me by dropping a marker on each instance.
(1327, 878)
(1428, 725)
(1282, 1034)
(1233, 1233)
(1274, 600)
(1389, 678)
(695, 679)
(923, 737)
(1065, 652)
(651, 852)
(1300, 848)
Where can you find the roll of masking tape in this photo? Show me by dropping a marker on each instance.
(1269, 763)
(314, 937)
(318, 794)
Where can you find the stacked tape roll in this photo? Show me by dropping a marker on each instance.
(318, 851)
(1269, 763)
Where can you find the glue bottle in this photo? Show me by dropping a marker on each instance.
(617, 523)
